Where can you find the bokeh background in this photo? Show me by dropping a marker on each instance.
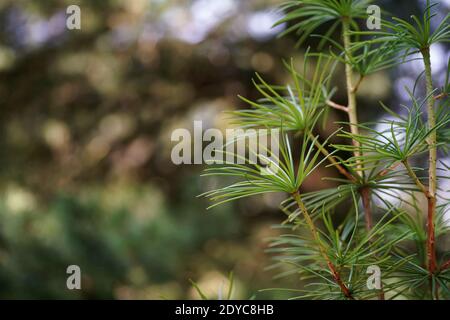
(85, 123)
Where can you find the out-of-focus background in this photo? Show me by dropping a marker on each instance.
(85, 123)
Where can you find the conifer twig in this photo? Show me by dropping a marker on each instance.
(445, 266)
(353, 117)
(351, 93)
(441, 96)
(432, 174)
(315, 234)
(337, 106)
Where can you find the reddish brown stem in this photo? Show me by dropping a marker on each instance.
(445, 266)
(441, 96)
(387, 170)
(431, 200)
(338, 280)
(365, 196)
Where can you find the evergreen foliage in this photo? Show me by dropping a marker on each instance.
(331, 255)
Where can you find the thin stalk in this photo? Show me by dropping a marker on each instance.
(336, 106)
(351, 89)
(358, 83)
(394, 165)
(315, 234)
(387, 170)
(445, 266)
(431, 260)
(365, 196)
(353, 117)
(440, 96)
(416, 179)
(331, 159)
(432, 176)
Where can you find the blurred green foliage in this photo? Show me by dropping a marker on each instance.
(85, 174)
(119, 253)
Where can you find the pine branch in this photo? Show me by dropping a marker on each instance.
(353, 117)
(445, 266)
(431, 250)
(315, 234)
(351, 94)
(298, 108)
